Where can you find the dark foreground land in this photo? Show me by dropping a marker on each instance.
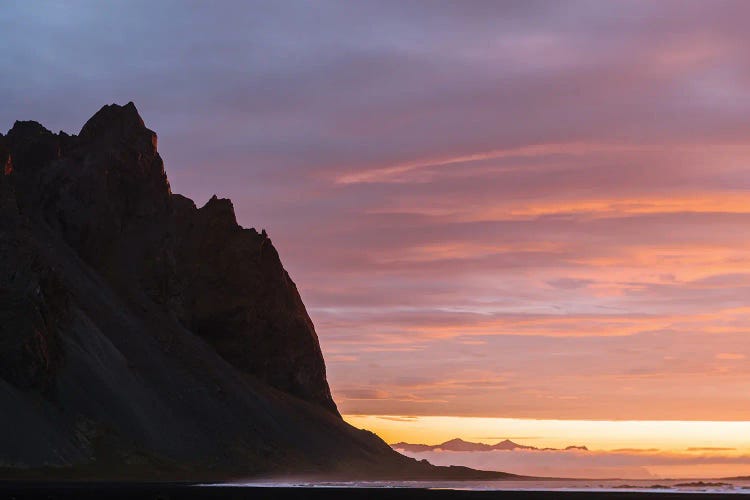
(170, 491)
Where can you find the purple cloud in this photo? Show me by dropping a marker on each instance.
(540, 203)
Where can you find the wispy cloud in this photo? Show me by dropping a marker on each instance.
(534, 209)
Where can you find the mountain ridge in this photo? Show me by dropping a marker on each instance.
(142, 336)
(458, 444)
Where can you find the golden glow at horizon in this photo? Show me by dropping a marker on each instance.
(664, 436)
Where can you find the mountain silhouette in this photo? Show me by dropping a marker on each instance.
(142, 336)
(458, 444)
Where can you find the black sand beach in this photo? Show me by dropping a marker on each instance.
(170, 491)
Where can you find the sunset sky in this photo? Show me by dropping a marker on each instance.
(528, 210)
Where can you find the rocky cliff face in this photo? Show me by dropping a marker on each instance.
(137, 330)
(242, 301)
(106, 195)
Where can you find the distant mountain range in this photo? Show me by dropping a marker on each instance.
(458, 444)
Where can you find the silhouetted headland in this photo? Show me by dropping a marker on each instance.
(142, 337)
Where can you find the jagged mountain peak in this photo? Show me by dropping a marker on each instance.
(144, 275)
(114, 124)
(140, 334)
(27, 129)
(221, 210)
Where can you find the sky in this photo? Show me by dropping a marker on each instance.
(515, 209)
(614, 449)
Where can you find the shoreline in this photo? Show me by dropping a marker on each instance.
(55, 490)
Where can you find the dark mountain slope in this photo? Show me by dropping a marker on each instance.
(141, 335)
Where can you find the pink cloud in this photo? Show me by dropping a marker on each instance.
(554, 196)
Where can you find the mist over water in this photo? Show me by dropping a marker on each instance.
(624, 464)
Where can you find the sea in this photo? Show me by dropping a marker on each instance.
(728, 486)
